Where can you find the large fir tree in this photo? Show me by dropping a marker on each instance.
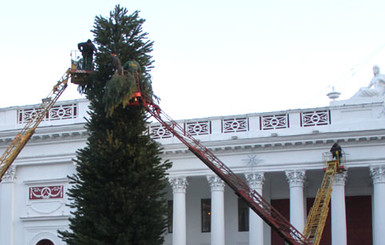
(118, 191)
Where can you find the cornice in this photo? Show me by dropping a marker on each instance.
(48, 134)
(44, 218)
(45, 159)
(299, 142)
(46, 181)
(203, 170)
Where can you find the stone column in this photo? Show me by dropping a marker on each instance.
(296, 179)
(7, 187)
(255, 181)
(378, 176)
(217, 210)
(179, 185)
(338, 210)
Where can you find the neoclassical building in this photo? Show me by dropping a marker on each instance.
(280, 154)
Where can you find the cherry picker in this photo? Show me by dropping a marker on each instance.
(253, 199)
(26, 133)
(318, 214)
(13, 150)
(316, 219)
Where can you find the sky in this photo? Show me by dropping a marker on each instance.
(212, 58)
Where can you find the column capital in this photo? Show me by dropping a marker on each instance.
(178, 184)
(216, 183)
(340, 179)
(10, 175)
(255, 180)
(378, 174)
(296, 178)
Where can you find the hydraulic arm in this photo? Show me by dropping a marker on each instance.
(318, 214)
(254, 200)
(26, 133)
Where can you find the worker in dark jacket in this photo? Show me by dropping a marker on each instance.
(336, 151)
(88, 49)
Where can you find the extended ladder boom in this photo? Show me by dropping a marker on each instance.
(318, 214)
(26, 133)
(254, 200)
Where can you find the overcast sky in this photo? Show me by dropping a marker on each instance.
(212, 58)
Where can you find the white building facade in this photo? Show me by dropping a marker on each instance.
(279, 154)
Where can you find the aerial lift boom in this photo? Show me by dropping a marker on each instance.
(253, 199)
(318, 214)
(26, 133)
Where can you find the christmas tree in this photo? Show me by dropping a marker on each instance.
(117, 193)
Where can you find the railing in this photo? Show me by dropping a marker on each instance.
(267, 123)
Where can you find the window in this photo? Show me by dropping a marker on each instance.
(206, 215)
(243, 216)
(170, 213)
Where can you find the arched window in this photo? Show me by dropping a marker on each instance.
(45, 242)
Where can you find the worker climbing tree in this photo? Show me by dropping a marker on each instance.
(118, 189)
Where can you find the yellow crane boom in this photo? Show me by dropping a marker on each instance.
(26, 133)
(318, 214)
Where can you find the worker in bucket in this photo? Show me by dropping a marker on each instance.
(336, 151)
(88, 49)
(132, 66)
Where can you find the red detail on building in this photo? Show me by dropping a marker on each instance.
(45, 192)
(359, 220)
(283, 206)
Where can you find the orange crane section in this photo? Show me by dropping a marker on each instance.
(253, 199)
